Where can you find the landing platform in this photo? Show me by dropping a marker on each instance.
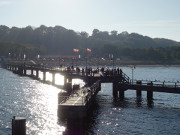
(77, 103)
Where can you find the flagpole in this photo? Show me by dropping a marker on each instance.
(86, 57)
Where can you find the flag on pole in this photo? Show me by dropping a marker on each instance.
(75, 50)
(88, 50)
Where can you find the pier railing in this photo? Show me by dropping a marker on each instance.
(126, 78)
(167, 84)
(72, 100)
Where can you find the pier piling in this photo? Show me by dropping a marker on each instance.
(115, 92)
(44, 76)
(53, 78)
(37, 74)
(18, 126)
(121, 94)
(31, 71)
(138, 93)
(149, 95)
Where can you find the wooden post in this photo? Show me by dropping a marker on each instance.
(53, 78)
(44, 76)
(15, 68)
(24, 71)
(138, 93)
(18, 126)
(31, 71)
(149, 95)
(121, 94)
(20, 71)
(37, 73)
(115, 92)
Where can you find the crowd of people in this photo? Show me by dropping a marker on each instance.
(89, 71)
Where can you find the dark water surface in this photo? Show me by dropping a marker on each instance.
(37, 102)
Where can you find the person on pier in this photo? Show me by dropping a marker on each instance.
(118, 71)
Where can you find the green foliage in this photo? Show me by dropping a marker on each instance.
(18, 50)
(61, 41)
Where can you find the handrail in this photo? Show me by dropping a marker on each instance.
(157, 83)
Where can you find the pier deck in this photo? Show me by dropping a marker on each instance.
(76, 98)
(78, 102)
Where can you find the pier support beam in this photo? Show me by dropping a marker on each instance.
(20, 71)
(37, 74)
(44, 76)
(138, 93)
(18, 126)
(121, 94)
(24, 71)
(15, 68)
(53, 78)
(149, 95)
(115, 90)
(31, 71)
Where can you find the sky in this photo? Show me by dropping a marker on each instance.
(153, 18)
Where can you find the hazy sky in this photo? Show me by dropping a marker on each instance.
(154, 18)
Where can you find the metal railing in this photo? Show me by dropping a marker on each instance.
(156, 83)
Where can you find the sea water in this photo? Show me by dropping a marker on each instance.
(38, 103)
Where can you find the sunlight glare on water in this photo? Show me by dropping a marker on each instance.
(24, 97)
(43, 110)
(59, 79)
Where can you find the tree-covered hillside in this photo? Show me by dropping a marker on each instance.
(61, 41)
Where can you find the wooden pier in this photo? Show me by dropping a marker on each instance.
(77, 100)
(77, 103)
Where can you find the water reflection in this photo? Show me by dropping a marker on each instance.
(139, 101)
(150, 103)
(42, 108)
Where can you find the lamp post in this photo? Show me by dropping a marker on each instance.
(113, 60)
(86, 57)
(111, 56)
(79, 59)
